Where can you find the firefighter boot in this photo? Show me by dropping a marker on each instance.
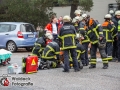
(92, 66)
(105, 65)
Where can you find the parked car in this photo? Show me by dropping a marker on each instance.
(14, 35)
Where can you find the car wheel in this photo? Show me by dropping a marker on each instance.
(11, 46)
(29, 49)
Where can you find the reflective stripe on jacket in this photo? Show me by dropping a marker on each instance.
(94, 31)
(51, 50)
(82, 30)
(108, 31)
(67, 36)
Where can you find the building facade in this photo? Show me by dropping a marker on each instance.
(100, 8)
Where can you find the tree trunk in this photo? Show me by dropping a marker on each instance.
(118, 6)
(73, 8)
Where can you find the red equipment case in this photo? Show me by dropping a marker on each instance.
(31, 64)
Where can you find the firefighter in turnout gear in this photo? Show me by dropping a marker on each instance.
(95, 33)
(109, 33)
(116, 21)
(50, 53)
(40, 44)
(80, 51)
(78, 12)
(85, 42)
(68, 44)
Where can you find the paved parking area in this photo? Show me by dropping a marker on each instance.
(55, 79)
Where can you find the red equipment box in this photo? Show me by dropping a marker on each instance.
(31, 64)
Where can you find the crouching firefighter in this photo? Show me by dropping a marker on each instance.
(41, 43)
(68, 44)
(95, 33)
(51, 53)
(109, 33)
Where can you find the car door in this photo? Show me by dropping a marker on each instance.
(29, 33)
(4, 34)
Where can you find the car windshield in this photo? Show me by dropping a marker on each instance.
(27, 28)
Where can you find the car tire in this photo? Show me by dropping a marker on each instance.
(29, 49)
(11, 46)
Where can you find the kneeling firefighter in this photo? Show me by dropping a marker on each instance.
(95, 34)
(50, 53)
(41, 43)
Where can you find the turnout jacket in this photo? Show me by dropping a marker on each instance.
(94, 31)
(51, 50)
(82, 30)
(80, 50)
(67, 36)
(39, 46)
(108, 31)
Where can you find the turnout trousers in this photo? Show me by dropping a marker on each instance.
(118, 47)
(74, 58)
(86, 62)
(93, 55)
(108, 49)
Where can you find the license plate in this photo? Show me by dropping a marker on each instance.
(31, 35)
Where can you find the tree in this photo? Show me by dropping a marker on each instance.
(85, 5)
(31, 11)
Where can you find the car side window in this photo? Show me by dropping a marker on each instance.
(4, 28)
(13, 27)
(22, 28)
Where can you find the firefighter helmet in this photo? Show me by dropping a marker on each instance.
(74, 20)
(78, 18)
(66, 18)
(49, 35)
(107, 16)
(84, 16)
(102, 43)
(77, 12)
(117, 12)
(78, 35)
(111, 11)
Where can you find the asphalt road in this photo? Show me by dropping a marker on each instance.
(55, 79)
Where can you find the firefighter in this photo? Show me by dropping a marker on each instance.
(50, 54)
(78, 12)
(67, 38)
(41, 43)
(108, 31)
(95, 34)
(116, 21)
(80, 52)
(85, 42)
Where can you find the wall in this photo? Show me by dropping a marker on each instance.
(100, 8)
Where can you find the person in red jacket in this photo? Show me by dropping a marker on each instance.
(53, 27)
(60, 22)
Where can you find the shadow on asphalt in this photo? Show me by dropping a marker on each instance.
(22, 50)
